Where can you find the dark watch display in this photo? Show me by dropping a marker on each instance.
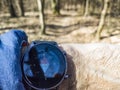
(44, 65)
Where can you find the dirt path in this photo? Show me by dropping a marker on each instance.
(67, 28)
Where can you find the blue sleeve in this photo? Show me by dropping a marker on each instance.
(10, 69)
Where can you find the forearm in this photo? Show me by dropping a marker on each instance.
(92, 66)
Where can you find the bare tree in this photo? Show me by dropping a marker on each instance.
(22, 7)
(56, 7)
(102, 19)
(119, 6)
(41, 15)
(15, 8)
(86, 8)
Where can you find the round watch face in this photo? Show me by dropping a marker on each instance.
(44, 66)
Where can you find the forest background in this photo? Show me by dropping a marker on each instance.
(64, 21)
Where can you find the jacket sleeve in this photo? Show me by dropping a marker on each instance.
(10, 69)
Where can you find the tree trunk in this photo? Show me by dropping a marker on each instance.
(56, 7)
(22, 7)
(119, 7)
(41, 15)
(109, 18)
(86, 8)
(11, 9)
(93, 7)
(102, 19)
(15, 8)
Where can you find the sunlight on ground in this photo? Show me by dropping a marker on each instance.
(67, 28)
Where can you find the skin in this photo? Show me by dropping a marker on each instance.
(92, 67)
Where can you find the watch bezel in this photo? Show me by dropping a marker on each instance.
(53, 44)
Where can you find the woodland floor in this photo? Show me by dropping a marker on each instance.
(69, 27)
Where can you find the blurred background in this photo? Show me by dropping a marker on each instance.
(64, 21)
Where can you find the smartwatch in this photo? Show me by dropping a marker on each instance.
(44, 65)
